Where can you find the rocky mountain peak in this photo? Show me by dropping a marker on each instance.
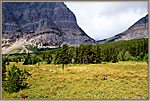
(52, 20)
(140, 22)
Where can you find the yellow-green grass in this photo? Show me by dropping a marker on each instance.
(122, 80)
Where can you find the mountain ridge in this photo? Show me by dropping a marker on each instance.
(136, 31)
(51, 24)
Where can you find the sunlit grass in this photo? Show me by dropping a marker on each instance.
(122, 80)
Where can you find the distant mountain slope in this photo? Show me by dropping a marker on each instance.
(42, 23)
(136, 31)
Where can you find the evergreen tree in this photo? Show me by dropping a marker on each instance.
(19, 59)
(62, 57)
(120, 56)
(4, 61)
(16, 80)
(70, 54)
(49, 58)
(97, 52)
(114, 55)
(43, 56)
(34, 60)
(27, 60)
(16, 60)
(81, 53)
(76, 55)
(88, 53)
(146, 58)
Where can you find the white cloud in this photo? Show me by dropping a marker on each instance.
(102, 20)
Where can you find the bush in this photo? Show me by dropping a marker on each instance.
(4, 63)
(16, 80)
(16, 60)
(34, 60)
(128, 56)
(142, 57)
(145, 58)
(138, 58)
(114, 59)
(120, 56)
(3, 71)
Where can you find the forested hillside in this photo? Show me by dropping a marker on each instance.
(131, 50)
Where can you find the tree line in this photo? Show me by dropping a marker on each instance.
(131, 50)
(134, 50)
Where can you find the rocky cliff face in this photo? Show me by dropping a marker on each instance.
(52, 24)
(136, 31)
(48, 23)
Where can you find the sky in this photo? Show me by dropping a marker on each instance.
(102, 20)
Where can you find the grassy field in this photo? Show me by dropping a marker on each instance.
(122, 80)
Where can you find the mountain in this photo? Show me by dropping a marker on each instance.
(137, 31)
(51, 24)
(48, 24)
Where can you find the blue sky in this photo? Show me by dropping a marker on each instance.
(102, 20)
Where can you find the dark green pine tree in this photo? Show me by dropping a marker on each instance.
(4, 61)
(35, 59)
(120, 56)
(3, 71)
(43, 56)
(145, 46)
(16, 80)
(49, 58)
(114, 56)
(70, 53)
(102, 54)
(27, 60)
(62, 57)
(81, 53)
(76, 55)
(56, 57)
(87, 54)
(107, 56)
(97, 52)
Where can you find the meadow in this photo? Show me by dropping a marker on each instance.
(121, 80)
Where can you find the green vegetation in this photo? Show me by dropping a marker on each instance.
(132, 50)
(32, 60)
(47, 57)
(62, 57)
(4, 63)
(121, 80)
(15, 80)
(117, 70)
